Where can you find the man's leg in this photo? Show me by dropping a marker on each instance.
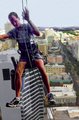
(49, 97)
(18, 77)
(18, 84)
(40, 65)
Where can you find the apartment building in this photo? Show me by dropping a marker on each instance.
(43, 49)
(55, 58)
(54, 69)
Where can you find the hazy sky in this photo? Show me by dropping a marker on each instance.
(53, 13)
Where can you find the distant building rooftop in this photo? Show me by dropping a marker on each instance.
(55, 65)
(62, 91)
(64, 113)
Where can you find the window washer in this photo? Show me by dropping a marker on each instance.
(23, 33)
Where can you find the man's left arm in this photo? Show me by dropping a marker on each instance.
(26, 17)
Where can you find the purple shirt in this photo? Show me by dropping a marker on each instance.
(22, 35)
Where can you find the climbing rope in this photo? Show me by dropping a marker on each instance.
(30, 61)
(26, 48)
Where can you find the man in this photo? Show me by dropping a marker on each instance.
(23, 33)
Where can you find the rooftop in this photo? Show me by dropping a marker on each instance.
(62, 113)
(62, 91)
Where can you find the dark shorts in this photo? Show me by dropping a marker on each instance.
(30, 57)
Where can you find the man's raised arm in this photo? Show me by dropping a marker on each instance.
(27, 17)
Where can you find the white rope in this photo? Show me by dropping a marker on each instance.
(24, 40)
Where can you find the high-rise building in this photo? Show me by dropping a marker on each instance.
(11, 43)
(8, 27)
(43, 49)
(2, 32)
(43, 46)
(49, 32)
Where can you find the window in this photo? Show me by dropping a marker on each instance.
(6, 74)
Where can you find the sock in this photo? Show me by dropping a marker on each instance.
(18, 98)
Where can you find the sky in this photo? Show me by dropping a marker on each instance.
(44, 13)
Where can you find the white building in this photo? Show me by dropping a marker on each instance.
(6, 93)
(63, 95)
